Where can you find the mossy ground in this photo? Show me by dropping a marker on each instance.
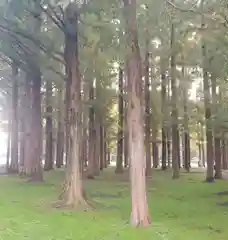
(182, 209)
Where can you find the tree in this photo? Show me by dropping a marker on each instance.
(139, 214)
(119, 166)
(73, 193)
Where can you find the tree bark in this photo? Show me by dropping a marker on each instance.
(147, 112)
(155, 145)
(14, 129)
(60, 130)
(73, 194)
(36, 174)
(92, 137)
(101, 133)
(216, 130)
(224, 155)
(140, 213)
(207, 105)
(49, 128)
(175, 131)
(186, 157)
(119, 160)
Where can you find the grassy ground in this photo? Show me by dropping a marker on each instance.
(181, 209)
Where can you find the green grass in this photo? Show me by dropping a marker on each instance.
(182, 209)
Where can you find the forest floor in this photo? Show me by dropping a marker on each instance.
(180, 209)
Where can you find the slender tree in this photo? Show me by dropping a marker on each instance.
(119, 165)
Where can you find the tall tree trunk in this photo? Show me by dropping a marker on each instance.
(147, 112)
(164, 111)
(49, 128)
(22, 135)
(36, 174)
(28, 127)
(119, 160)
(8, 142)
(92, 137)
(175, 131)
(126, 138)
(224, 155)
(60, 130)
(186, 147)
(101, 143)
(217, 134)
(155, 147)
(97, 146)
(73, 194)
(140, 213)
(14, 130)
(207, 105)
(203, 145)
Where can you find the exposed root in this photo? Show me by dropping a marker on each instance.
(78, 205)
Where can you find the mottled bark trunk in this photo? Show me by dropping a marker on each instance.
(140, 213)
(174, 98)
(49, 129)
(147, 113)
(119, 160)
(60, 130)
(13, 168)
(73, 194)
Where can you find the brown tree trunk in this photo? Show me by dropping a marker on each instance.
(175, 131)
(209, 136)
(119, 160)
(203, 146)
(14, 129)
(126, 139)
(147, 112)
(60, 131)
(73, 194)
(217, 133)
(28, 127)
(207, 105)
(101, 133)
(224, 155)
(155, 145)
(36, 174)
(140, 213)
(92, 137)
(186, 147)
(49, 128)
